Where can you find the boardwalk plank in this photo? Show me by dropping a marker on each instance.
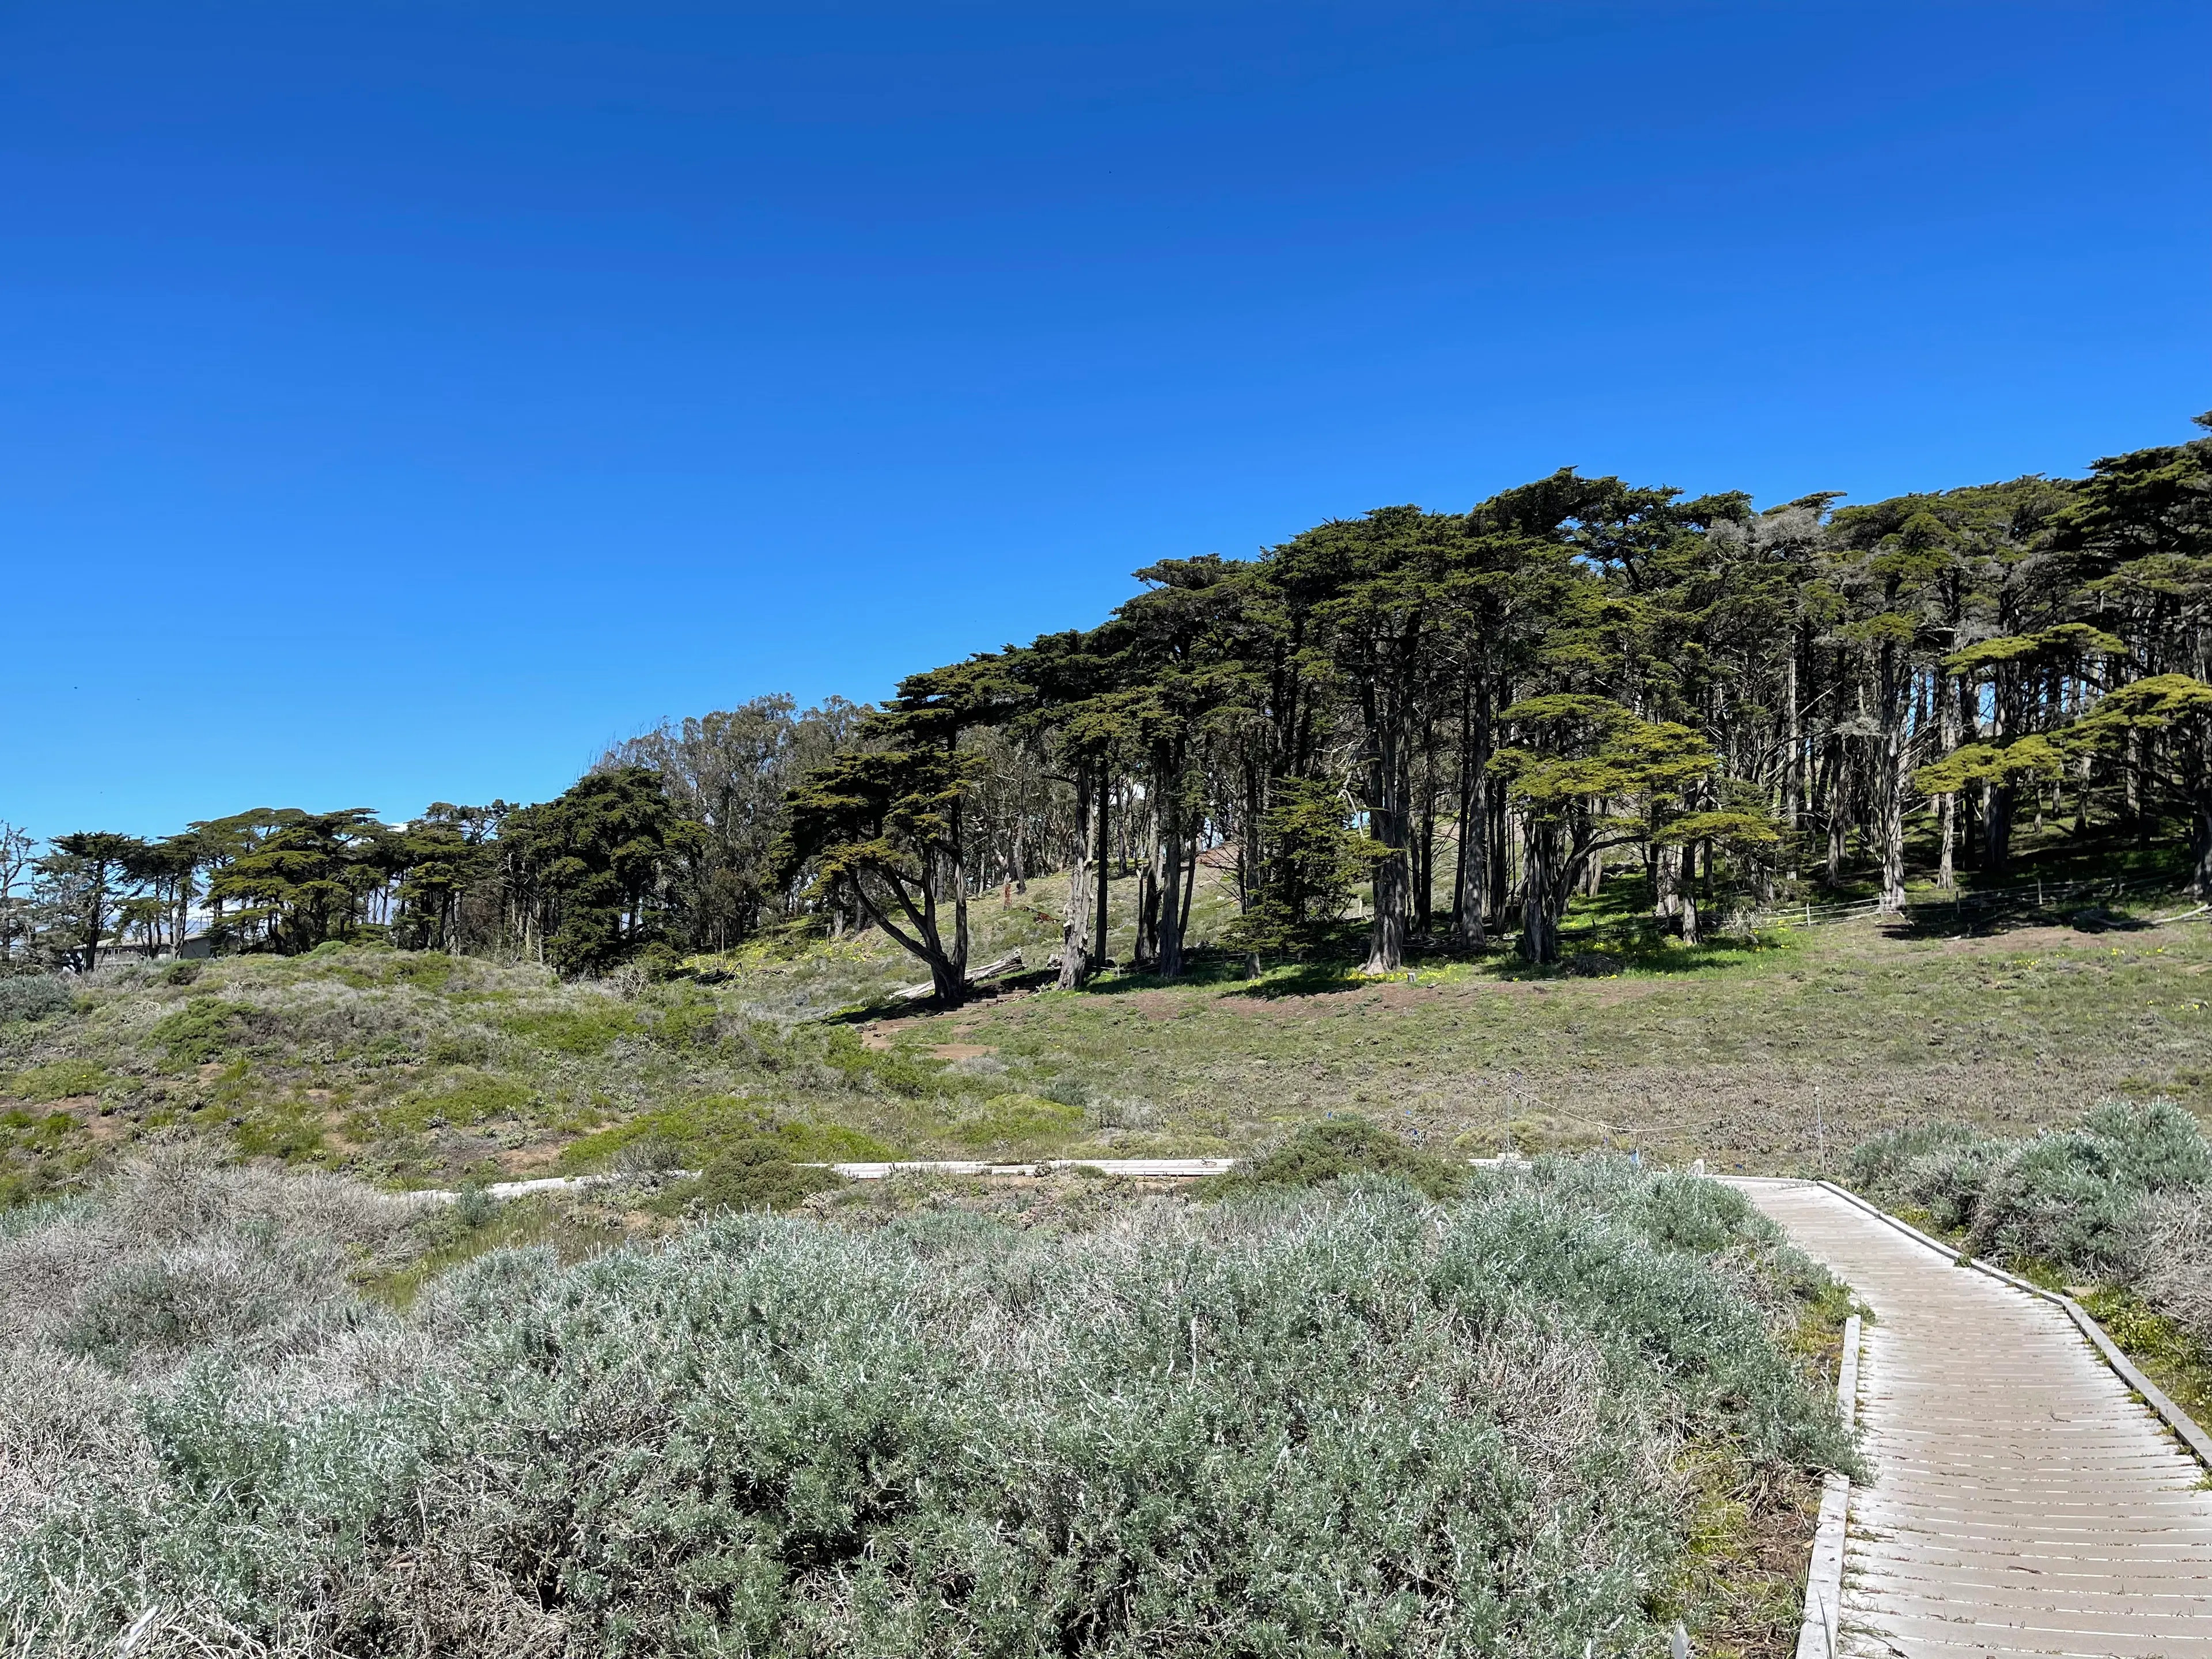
(2023, 1502)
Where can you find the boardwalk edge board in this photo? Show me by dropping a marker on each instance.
(2184, 1426)
(1824, 1578)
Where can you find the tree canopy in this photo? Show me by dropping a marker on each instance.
(1470, 716)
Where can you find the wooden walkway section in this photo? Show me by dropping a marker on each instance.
(2022, 1502)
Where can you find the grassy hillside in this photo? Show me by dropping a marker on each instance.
(1765, 1055)
(1757, 1055)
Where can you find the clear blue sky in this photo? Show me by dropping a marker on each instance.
(398, 401)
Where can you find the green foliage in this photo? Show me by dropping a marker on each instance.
(687, 1020)
(597, 854)
(574, 1031)
(301, 877)
(1316, 856)
(1582, 751)
(2075, 1199)
(756, 1173)
(879, 827)
(60, 1080)
(290, 1130)
(1344, 1146)
(34, 996)
(697, 1132)
(2033, 756)
(462, 1097)
(899, 1073)
(474, 1207)
(1296, 1425)
(1016, 1124)
(204, 1028)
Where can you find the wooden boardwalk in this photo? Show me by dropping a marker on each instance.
(2023, 1502)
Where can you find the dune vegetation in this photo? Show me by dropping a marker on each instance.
(2115, 1207)
(1774, 1052)
(1550, 1413)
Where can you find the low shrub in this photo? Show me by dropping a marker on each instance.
(587, 1030)
(757, 1174)
(1015, 1125)
(462, 1097)
(897, 1073)
(1348, 1423)
(2177, 1274)
(34, 996)
(201, 1028)
(2075, 1199)
(2123, 1198)
(59, 1080)
(1340, 1146)
(694, 1134)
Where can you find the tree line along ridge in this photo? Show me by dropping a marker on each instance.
(1470, 717)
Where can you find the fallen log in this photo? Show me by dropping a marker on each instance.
(1005, 964)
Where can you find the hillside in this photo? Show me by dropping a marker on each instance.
(418, 1067)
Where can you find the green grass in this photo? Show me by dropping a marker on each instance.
(1771, 1054)
(2175, 1358)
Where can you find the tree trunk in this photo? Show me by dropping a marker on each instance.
(1471, 868)
(1388, 779)
(1539, 924)
(1100, 922)
(1996, 828)
(1425, 839)
(953, 865)
(1891, 811)
(1793, 743)
(2200, 850)
(1839, 827)
(1172, 912)
(97, 907)
(1075, 925)
(1666, 881)
(1148, 906)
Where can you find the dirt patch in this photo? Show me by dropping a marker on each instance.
(84, 1112)
(2017, 939)
(963, 1050)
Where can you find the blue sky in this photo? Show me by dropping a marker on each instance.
(400, 401)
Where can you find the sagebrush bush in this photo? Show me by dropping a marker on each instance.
(2075, 1199)
(34, 996)
(2119, 1198)
(2177, 1276)
(757, 1174)
(177, 1254)
(1350, 1145)
(1346, 1423)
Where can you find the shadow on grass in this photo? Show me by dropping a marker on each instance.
(1935, 921)
(1307, 979)
(1329, 977)
(1642, 958)
(883, 1008)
